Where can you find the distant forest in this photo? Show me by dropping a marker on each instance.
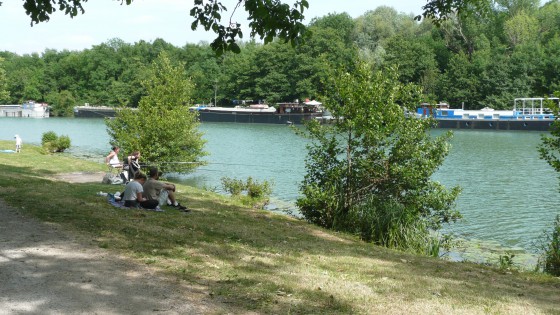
(477, 60)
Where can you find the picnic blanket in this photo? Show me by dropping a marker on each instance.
(115, 203)
(120, 204)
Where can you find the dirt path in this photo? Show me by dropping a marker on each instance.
(44, 270)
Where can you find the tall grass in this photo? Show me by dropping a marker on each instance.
(550, 258)
(390, 224)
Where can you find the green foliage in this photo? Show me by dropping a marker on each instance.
(162, 129)
(63, 143)
(505, 261)
(52, 143)
(258, 190)
(49, 136)
(233, 186)
(390, 224)
(549, 148)
(269, 20)
(550, 256)
(257, 193)
(61, 103)
(440, 11)
(4, 93)
(369, 173)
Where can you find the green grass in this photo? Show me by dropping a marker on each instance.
(256, 261)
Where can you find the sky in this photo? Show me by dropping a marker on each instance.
(144, 20)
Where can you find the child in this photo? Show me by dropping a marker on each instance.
(18, 143)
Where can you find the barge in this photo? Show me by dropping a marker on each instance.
(527, 114)
(29, 109)
(88, 111)
(282, 113)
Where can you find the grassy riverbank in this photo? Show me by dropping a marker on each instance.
(257, 261)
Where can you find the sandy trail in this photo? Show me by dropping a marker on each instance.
(44, 270)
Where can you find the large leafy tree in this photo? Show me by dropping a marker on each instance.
(61, 103)
(4, 93)
(370, 172)
(441, 10)
(162, 128)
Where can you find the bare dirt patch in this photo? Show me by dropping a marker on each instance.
(80, 177)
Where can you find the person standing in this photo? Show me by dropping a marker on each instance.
(18, 143)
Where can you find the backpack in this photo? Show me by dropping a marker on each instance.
(112, 179)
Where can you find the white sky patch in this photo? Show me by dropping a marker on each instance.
(146, 20)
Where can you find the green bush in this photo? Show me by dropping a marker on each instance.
(233, 186)
(256, 193)
(52, 143)
(49, 136)
(62, 143)
(370, 173)
(550, 258)
(258, 190)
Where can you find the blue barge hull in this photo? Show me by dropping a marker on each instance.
(529, 125)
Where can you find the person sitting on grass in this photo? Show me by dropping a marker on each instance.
(132, 163)
(164, 193)
(113, 158)
(133, 194)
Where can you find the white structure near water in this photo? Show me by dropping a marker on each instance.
(29, 109)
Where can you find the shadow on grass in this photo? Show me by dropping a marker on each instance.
(257, 260)
(44, 272)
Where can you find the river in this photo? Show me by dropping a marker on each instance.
(509, 195)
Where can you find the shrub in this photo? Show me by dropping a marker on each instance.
(53, 143)
(63, 143)
(233, 186)
(369, 172)
(550, 258)
(258, 190)
(256, 194)
(505, 261)
(49, 136)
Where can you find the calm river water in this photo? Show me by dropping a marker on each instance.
(509, 195)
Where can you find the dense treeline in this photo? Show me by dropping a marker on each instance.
(479, 60)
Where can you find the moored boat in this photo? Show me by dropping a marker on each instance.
(527, 114)
(29, 109)
(88, 111)
(282, 113)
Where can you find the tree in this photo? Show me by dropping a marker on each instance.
(162, 129)
(414, 58)
(441, 10)
(269, 18)
(4, 93)
(521, 28)
(369, 173)
(61, 103)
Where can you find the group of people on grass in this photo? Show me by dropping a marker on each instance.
(130, 165)
(141, 191)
